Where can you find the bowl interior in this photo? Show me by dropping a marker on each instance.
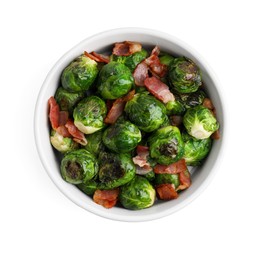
(101, 43)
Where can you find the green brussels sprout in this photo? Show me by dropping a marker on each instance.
(95, 144)
(89, 114)
(89, 187)
(200, 122)
(80, 74)
(67, 100)
(146, 112)
(195, 149)
(149, 176)
(78, 166)
(137, 194)
(175, 107)
(193, 99)
(122, 137)
(115, 170)
(184, 75)
(114, 81)
(165, 58)
(62, 144)
(164, 178)
(166, 145)
(130, 61)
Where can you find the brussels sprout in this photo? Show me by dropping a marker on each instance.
(89, 187)
(193, 99)
(115, 170)
(130, 61)
(146, 112)
(165, 58)
(95, 144)
(200, 122)
(166, 145)
(195, 149)
(80, 74)
(89, 114)
(167, 178)
(184, 75)
(67, 100)
(62, 144)
(175, 107)
(114, 81)
(137, 194)
(78, 166)
(149, 176)
(122, 137)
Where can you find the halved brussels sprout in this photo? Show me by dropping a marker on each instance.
(146, 112)
(184, 75)
(200, 122)
(114, 81)
(80, 74)
(89, 187)
(115, 170)
(89, 114)
(95, 144)
(166, 145)
(137, 194)
(195, 149)
(122, 137)
(78, 166)
(62, 144)
(167, 178)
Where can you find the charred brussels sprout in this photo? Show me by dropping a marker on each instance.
(184, 75)
(122, 137)
(130, 61)
(200, 122)
(62, 144)
(146, 112)
(80, 74)
(195, 149)
(137, 194)
(78, 166)
(67, 100)
(166, 145)
(193, 99)
(115, 170)
(89, 114)
(89, 187)
(167, 178)
(95, 144)
(115, 80)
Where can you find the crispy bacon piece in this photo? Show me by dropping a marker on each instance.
(97, 57)
(176, 120)
(166, 192)
(77, 135)
(208, 103)
(155, 51)
(106, 198)
(159, 89)
(126, 48)
(185, 180)
(62, 130)
(216, 135)
(63, 117)
(140, 73)
(173, 168)
(117, 108)
(140, 160)
(54, 112)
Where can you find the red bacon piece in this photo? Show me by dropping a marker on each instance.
(54, 112)
(97, 57)
(77, 135)
(106, 198)
(126, 48)
(166, 192)
(63, 117)
(159, 89)
(62, 130)
(173, 168)
(140, 73)
(185, 180)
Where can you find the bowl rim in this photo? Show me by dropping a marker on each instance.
(212, 173)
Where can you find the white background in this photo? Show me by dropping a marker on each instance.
(38, 222)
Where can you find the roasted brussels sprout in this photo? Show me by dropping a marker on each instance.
(130, 61)
(62, 144)
(89, 114)
(67, 100)
(146, 112)
(95, 144)
(114, 81)
(80, 74)
(88, 187)
(192, 99)
(166, 145)
(184, 75)
(115, 170)
(137, 194)
(78, 166)
(165, 58)
(175, 107)
(195, 149)
(122, 137)
(200, 122)
(164, 178)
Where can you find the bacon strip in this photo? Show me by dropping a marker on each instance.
(62, 130)
(63, 117)
(140, 73)
(140, 160)
(173, 168)
(126, 48)
(185, 180)
(97, 57)
(216, 135)
(54, 112)
(79, 137)
(106, 198)
(166, 192)
(117, 108)
(159, 89)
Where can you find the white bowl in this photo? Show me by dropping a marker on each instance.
(99, 43)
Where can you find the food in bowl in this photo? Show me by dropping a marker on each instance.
(129, 124)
